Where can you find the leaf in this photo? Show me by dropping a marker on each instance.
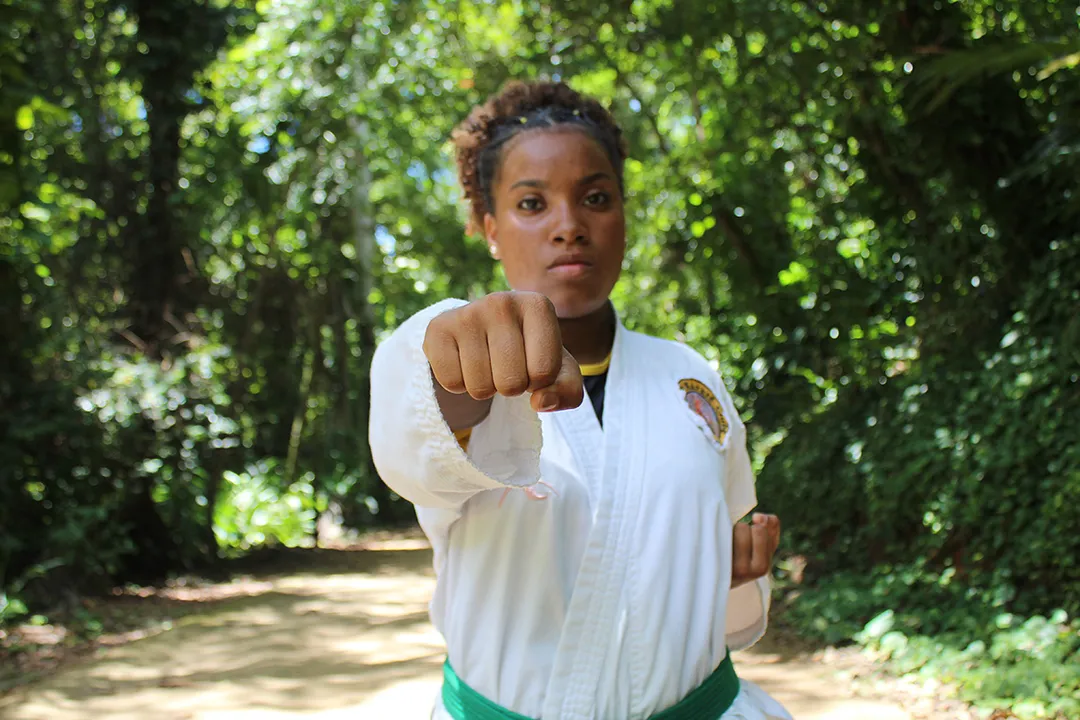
(1065, 62)
(942, 76)
(877, 627)
(851, 247)
(24, 118)
(10, 608)
(796, 272)
(889, 327)
(35, 212)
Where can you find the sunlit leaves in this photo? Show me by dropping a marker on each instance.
(796, 272)
(847, 261)
(851, 247)
(24, 118)
(943, 74)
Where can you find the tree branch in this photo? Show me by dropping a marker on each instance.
(737, 238)
(621, 79)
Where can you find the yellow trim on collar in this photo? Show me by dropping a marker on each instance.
(591, 369)
(463, 437)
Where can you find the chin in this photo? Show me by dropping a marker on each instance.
(574, 308)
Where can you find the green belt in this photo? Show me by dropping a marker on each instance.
(708, 701)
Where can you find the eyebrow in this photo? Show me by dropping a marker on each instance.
(583, 181)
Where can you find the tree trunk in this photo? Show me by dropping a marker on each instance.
(363, 225)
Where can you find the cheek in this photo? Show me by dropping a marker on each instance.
(613, 231)
(518, 226)
(517, 248)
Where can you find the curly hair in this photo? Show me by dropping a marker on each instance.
(516, 108)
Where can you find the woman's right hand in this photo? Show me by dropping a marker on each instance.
(506, 343)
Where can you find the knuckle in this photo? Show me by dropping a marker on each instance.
(549, 364)
(544, 369)
(430, 350)
(440, 355)
(512, 385)
(499, 305)
(442, 367)
(481, 390)
(545, 373)
(437, 336)
(450, 323)
(454, 386)
(470, 323)
(449, 377)
(441, 322)
(536, 303)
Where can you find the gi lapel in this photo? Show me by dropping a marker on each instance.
(583, 434)
(612, 461)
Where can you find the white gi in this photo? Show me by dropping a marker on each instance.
(610, 600)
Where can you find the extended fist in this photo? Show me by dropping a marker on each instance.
(753, 547)
(506, 343)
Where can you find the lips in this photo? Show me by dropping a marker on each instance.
(571, 261)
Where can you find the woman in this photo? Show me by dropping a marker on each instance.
(588, 557)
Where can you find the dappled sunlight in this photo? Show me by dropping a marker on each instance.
(307, 644)
(811, 691)
(348, 637)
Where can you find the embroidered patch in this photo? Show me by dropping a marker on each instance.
(705, 405)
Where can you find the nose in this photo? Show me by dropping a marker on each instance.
(568, 226)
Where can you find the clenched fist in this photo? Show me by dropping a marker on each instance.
(753, 547)
(506, 343)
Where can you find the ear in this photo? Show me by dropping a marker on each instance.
(491, 233)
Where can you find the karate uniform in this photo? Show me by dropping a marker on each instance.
(610, 599)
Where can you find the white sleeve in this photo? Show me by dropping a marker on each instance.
(748, 613)
(748, 605)
(412, 447)
(740, 492)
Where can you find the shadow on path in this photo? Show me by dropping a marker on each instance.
(329, 635)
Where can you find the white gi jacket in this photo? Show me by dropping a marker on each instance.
(610, 600)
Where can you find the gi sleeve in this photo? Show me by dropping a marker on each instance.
(748, 613)
(412, 447)
(748, 605)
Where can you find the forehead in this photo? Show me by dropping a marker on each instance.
(549, 154)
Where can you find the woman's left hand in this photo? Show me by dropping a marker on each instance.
(753, 547)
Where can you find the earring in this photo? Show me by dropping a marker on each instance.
(493, 250)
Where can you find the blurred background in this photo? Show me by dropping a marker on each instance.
(866, 214)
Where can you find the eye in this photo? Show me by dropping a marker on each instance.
(530, 204)
(597, 198)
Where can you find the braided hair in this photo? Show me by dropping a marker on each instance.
(516, 108)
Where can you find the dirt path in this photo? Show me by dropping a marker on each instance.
(341, 642)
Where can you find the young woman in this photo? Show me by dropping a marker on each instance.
(588, 556)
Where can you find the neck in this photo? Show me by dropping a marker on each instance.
(589, 338)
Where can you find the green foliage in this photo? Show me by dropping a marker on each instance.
(927, 466)
(934, 628)
(253, 511)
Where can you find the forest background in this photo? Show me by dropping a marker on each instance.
(867, 214)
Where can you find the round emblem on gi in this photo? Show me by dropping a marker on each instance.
(704, 404)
